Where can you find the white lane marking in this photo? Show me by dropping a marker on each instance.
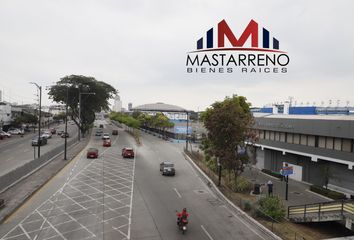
(9, 159)
(178, 194)
(26, 150)
(51, 225)
(206, 232)
(241, 220)
(131, 199)
(27, 235)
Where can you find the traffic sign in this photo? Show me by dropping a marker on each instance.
(285, 171)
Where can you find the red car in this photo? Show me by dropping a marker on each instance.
(107, 143)
(53, 130)
(127, 153)
(92, 153)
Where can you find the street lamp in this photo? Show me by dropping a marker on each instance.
(39, 117)
(80, 93)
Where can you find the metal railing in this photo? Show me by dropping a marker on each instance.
(319, 211)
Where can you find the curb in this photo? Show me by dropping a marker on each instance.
(242, 213)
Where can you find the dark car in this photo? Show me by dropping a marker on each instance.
(60, 132)
(53, 130)
(127, 152)
(114, 132)
(98, 133)
(39, 141)
(167, 168)
(92, 153)
(107, 143)
(65, 135)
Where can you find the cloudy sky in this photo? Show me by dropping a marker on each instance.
(140, 48)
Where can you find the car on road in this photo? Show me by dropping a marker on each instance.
(98, 133)
(105, 136)
(115, 132)
(39, 141)
(127, 152)
(60, 132)
(107, 143)
(65, 135)
(101, 125)
(47, 134)
(5, 134)
(53, 131)
(92, 153)
(16, 131)
(167, 168)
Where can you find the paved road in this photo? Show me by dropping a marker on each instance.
(16, 151)
(98, 199)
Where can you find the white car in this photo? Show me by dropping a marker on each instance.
(46, 134)
(105, 136)
(5, 134)
(16, 131)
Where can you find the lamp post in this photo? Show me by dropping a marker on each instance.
(187, 132)
(66, 123)
(39, 117)
(80, 93)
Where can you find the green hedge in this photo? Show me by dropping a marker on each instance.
(271, 173)
(328, 193)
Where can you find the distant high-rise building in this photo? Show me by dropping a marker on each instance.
(117, 107)
(130, 106)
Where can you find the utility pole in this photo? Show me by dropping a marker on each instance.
(39, 118)
(66, 122)
(187, 132)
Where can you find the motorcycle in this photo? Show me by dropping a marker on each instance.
(182, 224)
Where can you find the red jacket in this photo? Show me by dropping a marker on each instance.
(182, 214)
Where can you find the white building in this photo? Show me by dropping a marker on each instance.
(5, 114)
(117, 107)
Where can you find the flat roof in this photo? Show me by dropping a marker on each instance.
(309, 117)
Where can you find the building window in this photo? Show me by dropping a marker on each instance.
(261, 134)
(311, 141)
(277, 136)
(266, 134)
(282, 136)
(296, 139)
(289, 138)
(347, 145)
(322, 142)
(338, 144)
(329, 142)
(272, 135)
(303, 139)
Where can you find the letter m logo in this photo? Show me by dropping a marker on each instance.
(224, 30)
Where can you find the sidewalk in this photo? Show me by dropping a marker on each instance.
(299, 193)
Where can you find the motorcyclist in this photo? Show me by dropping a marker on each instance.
(182, 216)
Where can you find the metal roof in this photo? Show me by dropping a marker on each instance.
(159, 107)
(309, 117)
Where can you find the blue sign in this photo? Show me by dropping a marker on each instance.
(285, 171)
(182, 129)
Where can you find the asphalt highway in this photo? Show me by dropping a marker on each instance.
(16, 151)
(116, 198)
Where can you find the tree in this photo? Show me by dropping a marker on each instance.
(229, 126)
(76, 84)
(25, 118)
(273, 207)
(59, 116)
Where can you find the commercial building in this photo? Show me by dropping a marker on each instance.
(315, 145)
(117, 107)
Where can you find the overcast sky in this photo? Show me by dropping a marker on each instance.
(140, 48)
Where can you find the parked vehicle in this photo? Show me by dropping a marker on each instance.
(16, 131)
(39, 141)
(127, 152)
(60, 132)
(115, 132)
(167, 168)
(5, 134)
(53, 131)
(92, 153)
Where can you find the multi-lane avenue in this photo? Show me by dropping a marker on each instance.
(116, 198)
(16, 151)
